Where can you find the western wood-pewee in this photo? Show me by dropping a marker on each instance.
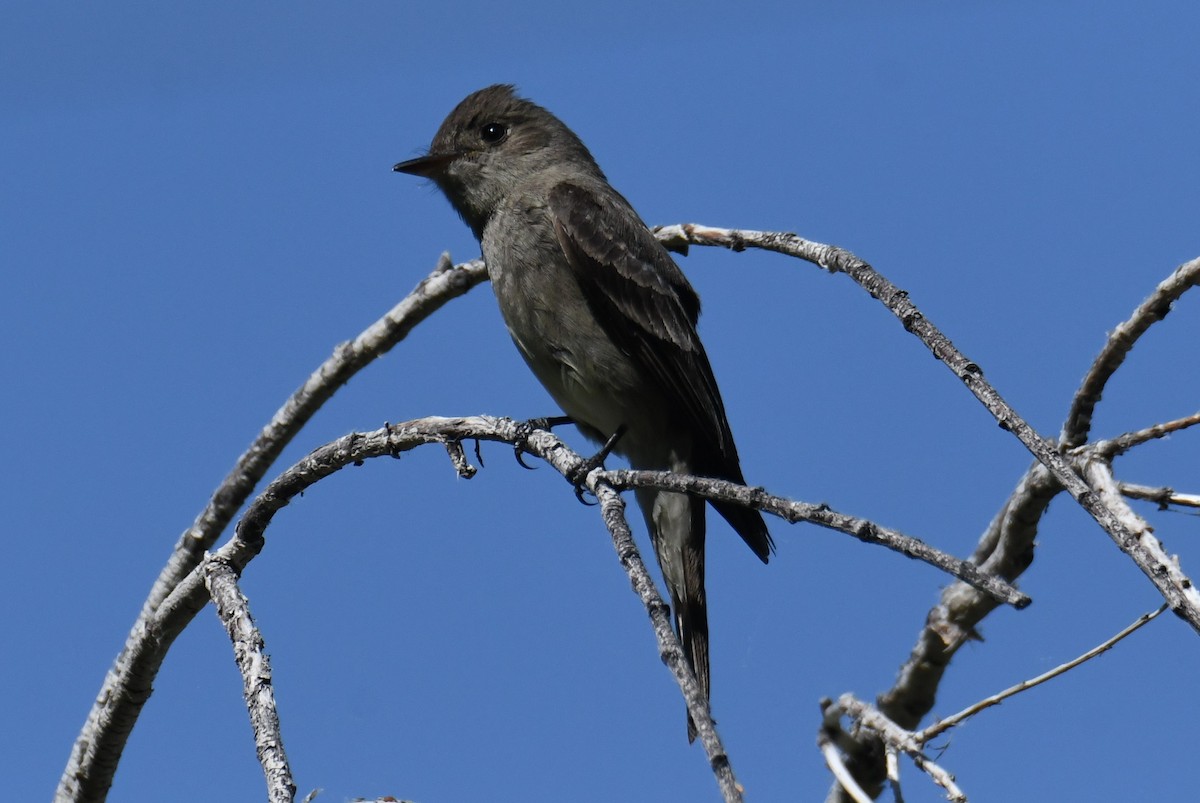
(602, 315)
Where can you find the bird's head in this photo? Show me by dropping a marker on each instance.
(493, 144)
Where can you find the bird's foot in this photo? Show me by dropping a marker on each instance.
(526, 428)
(578, 475)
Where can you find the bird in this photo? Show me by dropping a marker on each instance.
(603, 317)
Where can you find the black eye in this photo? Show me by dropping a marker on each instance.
(493, 132)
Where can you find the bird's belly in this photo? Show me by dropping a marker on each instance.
(580, 367)
(571, 354)
(568, 351)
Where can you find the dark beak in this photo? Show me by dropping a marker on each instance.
(429, 166)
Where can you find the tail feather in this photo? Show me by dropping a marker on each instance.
(750, 526)
(676, 523)
(691, 623)
(746, 522)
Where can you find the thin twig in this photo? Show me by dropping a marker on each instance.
(1113, 447)
(912, 743)
(823, 516)
(944, 725)
(1163, 496)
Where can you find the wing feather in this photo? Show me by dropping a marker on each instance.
(646, 306)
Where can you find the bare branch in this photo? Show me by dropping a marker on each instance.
(1150, 555)
(127, 685)
(1079, 419)
(897, 301)
(1107, 449)
(190, 595)
(1163, 496)
(179, 591)
(833, 760)
(249, 651)
(823, 516)
(445, 283)
(873, 723)
(1006, 548)
(612, 508)
(941, 778)
(394, 439)
(961, 607)
(869, 719)
(951, 721)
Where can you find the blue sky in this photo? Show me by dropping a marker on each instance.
(198, 205)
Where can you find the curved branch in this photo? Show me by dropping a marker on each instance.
(1122, 339)
(1006, 549)
(89, 773)
(193, 592)
(896, 300)
(249, 650)
(127, 685)
(190, 595)
(447, 282)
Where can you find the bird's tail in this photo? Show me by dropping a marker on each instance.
(691, 623)
(749, 524)
(676, 523)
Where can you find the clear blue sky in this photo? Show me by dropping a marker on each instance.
(197, 205)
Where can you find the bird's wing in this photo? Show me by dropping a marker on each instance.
(641, 299)
(644, 303)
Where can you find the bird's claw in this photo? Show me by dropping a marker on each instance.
(526, 428)
(578, 475)
(517, 452)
